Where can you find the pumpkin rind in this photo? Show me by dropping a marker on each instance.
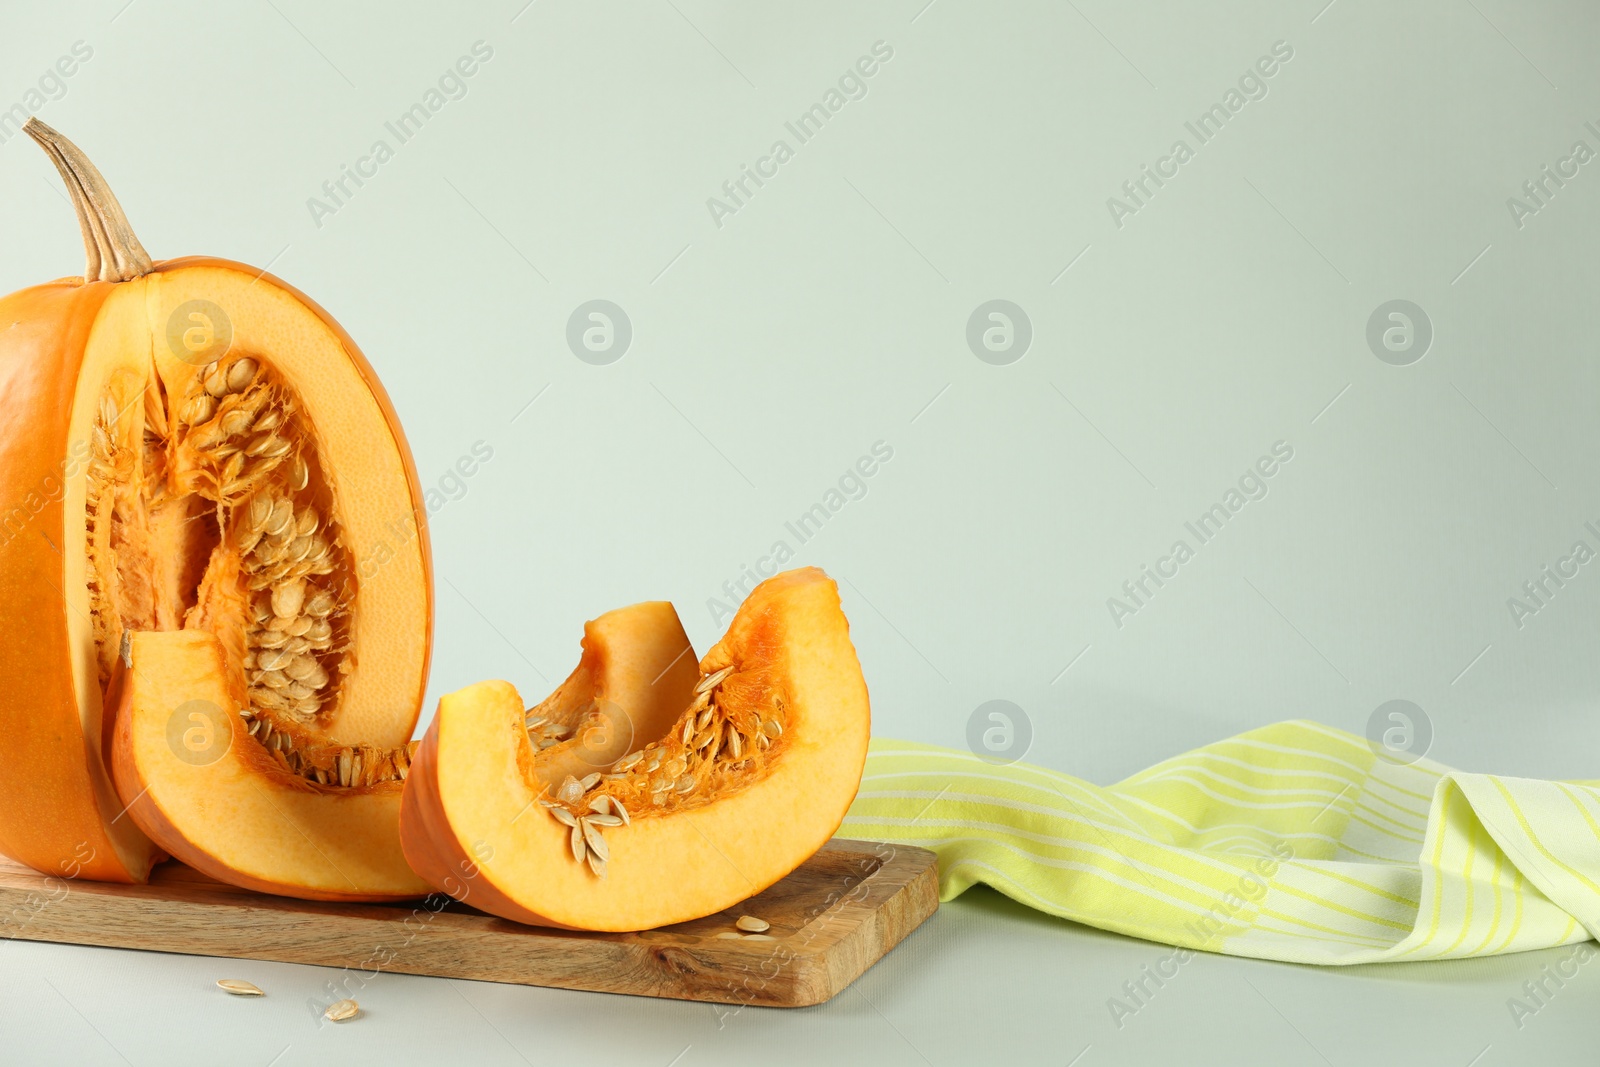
(57, 808)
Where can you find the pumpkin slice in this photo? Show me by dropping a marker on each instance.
(204, 788)
(192, 445)
(750, 778)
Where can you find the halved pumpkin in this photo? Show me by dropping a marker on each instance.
(192, 445)
(749, 779)
(210, 795)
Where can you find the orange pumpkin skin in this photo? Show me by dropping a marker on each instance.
(59, 813)
(54, 813)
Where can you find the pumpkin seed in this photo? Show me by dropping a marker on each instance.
(198, 409)
(241, 374)
(301, 668)
(592, 838)
(711, 681)
(569, 792)
(235, 422)
(239, 988)
(577, 843)
(340, 1010)
(752, 925)
(273, 659)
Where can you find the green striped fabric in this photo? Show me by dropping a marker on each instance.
(1292, 842)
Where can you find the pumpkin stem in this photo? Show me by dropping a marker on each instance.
(114, 253)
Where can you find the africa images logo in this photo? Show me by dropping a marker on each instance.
(851, 85)
(337, 192)
(1252, 485)
(1252, 85)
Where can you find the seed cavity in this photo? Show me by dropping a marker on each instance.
(709, 750)
(203, 502)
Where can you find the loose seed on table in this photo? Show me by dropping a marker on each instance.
(340, 1010)
(239, 988)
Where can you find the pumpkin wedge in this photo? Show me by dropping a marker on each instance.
(193, 446)
(749, 779)
(209, 794)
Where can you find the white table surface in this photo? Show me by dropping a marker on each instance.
(984, 981)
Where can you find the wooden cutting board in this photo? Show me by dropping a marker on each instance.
(834, 917)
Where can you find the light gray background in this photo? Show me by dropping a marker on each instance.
(830, 313)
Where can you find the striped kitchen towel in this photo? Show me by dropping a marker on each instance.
(1291, 842)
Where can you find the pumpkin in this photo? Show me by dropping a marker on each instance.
(713, 803)
(212, 513)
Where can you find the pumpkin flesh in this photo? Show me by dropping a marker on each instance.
(237, 813)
